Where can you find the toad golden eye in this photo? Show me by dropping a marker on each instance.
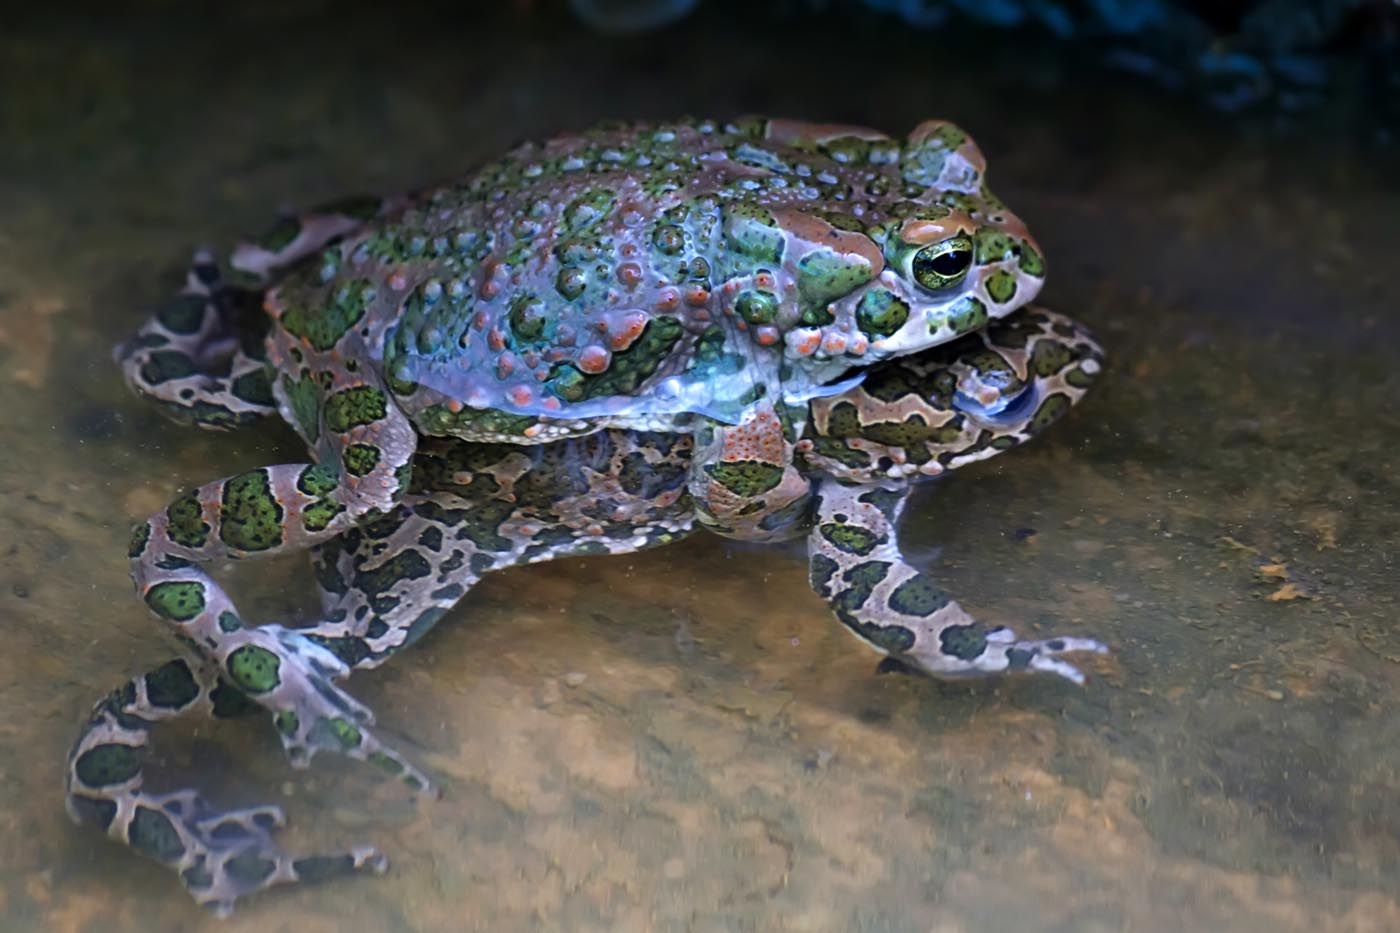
(942, 264)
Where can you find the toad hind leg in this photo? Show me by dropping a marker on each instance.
(219, 856)
(857, 567)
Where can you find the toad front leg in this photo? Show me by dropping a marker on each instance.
(857, 567)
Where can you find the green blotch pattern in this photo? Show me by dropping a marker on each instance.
(228, 622)
(185, 524)
(361, 459)
(105, 765)
(231, 703)
(757, 307)
(254, 387)
(286, 722)
(249, 868)
(317, 480)
(567, 381)
(345, 732)
(197, 877)
(93, 811)
(140, 537)
(752, 231)
(1049, 357)
(177, 600)
(151, 833)
(967, 315)
(886, 500)
(923, 163)
(910, 433)
(966, 642)
(405, 565)
(182, 315)
(304, 399)
(385, 762)
(824, 275)
(632, 366)
(323, 327)
(172, 686)
(165, 365)
(1048, 413)
(836, 449)
(746, 478)
(318, 515)
(992, 245)
(917, 597)
(852, 539)
(1078, 378)
(821, 569)
(527, 318)
(881, 312)
(1031, 262)
(255, 669)
(857, 584)
(355, 407)
(1001, 286)
(250, 517)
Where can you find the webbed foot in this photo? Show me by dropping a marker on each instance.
(222, 857)
(971, 653)
(312, 714)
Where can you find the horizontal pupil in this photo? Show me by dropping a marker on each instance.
(951, 263)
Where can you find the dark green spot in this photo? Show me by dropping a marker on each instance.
(1001, 286)
(165, 365)
(1048, 413)
(250, 517)
(757, 307)
(249, 868)
(255, 669)
(171, 685)
(185, 524)
(746, 478)
(355, 407)
(322, 327)
(177, 600)
(965, 642)
(317, 480)
(304, 398)
(360, 459)
(140, 537)
(151, 833)
(254, 387)
(103, 765)
(881, 312)
(852, 539)
(917, 597)
(93, 811)
(182, 315)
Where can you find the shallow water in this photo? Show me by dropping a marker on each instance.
(685, 739)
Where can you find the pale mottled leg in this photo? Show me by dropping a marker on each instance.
(220, 856)
(479, 508)
(200, 356)
(856, 565)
